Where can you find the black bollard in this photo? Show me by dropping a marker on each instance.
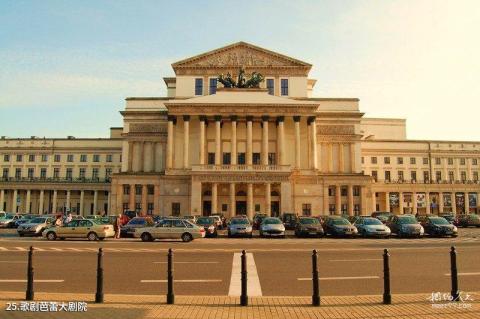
(99, 293)
(170, 294)
(29, 294)
(316, 290)
(387, 297)
(453, 269)
(244, 295)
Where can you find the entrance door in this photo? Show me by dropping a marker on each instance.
(207, 208)
(275, 208)
(241, 208)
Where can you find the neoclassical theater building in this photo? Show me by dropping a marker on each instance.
(207, 149)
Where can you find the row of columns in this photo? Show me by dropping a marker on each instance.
(41, 200)
(249, 136)
(338, 199)
(145, 156)
(132, 196)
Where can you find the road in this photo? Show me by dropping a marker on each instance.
(211, 266)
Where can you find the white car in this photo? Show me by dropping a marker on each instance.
(272, 226)
(218, 220)
(173, 228)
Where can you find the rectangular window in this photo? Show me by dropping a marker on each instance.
(426, 177)
(400, 176)
(44, 158)
(256, 158)
(343, 191)
(6, 158)
(241, 159)
(331, 209)
(109, 158)
(257, 208)
(438, 176)
(95, 173)
(226, 158)
(284, 87)
(138, 189)
(83, 158)
(199, 86)
(387, 176)
(374, 160)
(150, 189)
(96, 158)
(272, 159)
(475, 176)
(474, 161)
(31, 158)
(224, 207)
(451, 176)
(307, 209)
(271, 86)
(331, 191)
(19, 158)
(413, 160)
(425, 161)
(211, 158)
(81, 172)
(56, 158)
(375, 176)
(450, 161)
(462, 161)
(70, 158)
(400, 160)
(356, 191)
(18, 173)
(386, 160)
(213, 86)
(150, 208)
(30, 172)
(56, 172)
(108, 172)
(175, 209)
(43, 172)
(126, 206)
(126, 189)
(5, 173)
(69, 173)
(413, 176)
(463, 175)
(438, 161)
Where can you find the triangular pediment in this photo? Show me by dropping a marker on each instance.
(240, 54)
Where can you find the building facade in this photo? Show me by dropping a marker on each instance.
(206, 149)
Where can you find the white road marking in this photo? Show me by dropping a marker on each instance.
(353, 260)
(341, 278)
(36, 280)
(73, 249)
(3, 249)
(465, 274)
(56, 249)
(12, 262)
(188, 262)
(21, 248)
(253, 283)
(181, 280)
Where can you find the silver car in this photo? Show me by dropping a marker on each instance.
(35, 226)
(272, 226)
(372, 227)
(171, 228)
(240, 227)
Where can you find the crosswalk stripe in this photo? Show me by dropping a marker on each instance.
(181, 280)
(253, 283)
(341, 278)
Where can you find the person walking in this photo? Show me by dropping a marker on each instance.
(116, 226)
(58, 221)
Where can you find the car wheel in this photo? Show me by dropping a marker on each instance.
(92, 236)
(146, 237)
(187, 237)
(51, 236)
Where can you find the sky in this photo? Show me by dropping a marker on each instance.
(67, 66)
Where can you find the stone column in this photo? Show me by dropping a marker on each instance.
(350, 200)
(326, 201)
(148, 157)
(387, 201)
(250, 201)
(186, 139)
(2, 198)
(427, 202)
(352, 158)
(95, 201)
(130, 156)
(232, 200)
(400, 202)
(374, 200)
(338, 200)
(440, 203)
(330, 157)
(414, 203)
(144, 199)
(286, 197)
(265, 140)
(67, 204)
(131, 202)
(341, 158)
(82, 197)
(218, 141)
(297, 141)
(467, 203)
(454, 203)
(268, 199)
(363, 201)
(214, 198)
(313, 134)
(40, 203)
(233, 141)
(171, 121)
(27, 202)
(249, 140)
(203, 119)
(14, 201)
(281, 140)
(54, 204)
(156, 200)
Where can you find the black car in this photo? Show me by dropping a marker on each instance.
(439, 226)
(449, 217)
(289, 220)
(308, 226)
(209, 224)
(405, 226)
(382, 216)
(340, 227)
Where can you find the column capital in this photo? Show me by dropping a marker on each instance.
(217, 118)
(311, 119)
(202, 118)
(249, 118)
(172, 118)
(233, 118)
(296, 118)
(186, 118)
(280, 119)
(265, 118)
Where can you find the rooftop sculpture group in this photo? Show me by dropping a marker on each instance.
(242, 82)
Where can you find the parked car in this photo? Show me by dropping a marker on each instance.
(354, 218)
(138, 222)
(8, 221)
(239, 226)
(405, 226)
(80, 228)
(93, 217)
(35, 226)
(371, 227)
(340, 227)
(308, 226)
(468, 220)
(171, 228)
(257, 220)
(24, 219)
(272, 226)
(190, 218)
(382, 216)
(289, 220)
(448, 216)
(78, 217)
(439, 226)
(109, 220)
(209, 224)
(423, 217)
(218, 221)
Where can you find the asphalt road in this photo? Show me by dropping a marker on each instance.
(276, 266)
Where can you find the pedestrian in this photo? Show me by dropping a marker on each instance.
(58, 221)
(69, 218)
(116, 226)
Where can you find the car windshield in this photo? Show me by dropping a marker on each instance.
(340, 221)
(205, 221)
(239, 221)
(308, 221)
(272, 221)
(372, 221)
(439, 221)
(38, 220)
(407, 220)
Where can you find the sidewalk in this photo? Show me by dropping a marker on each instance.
(208, 307)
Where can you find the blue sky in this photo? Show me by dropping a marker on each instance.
(66, 66)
